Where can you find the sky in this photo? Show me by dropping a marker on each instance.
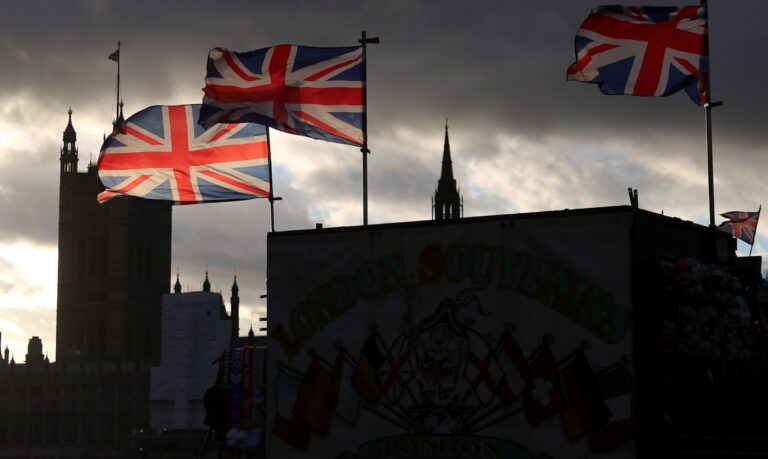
(522, 137)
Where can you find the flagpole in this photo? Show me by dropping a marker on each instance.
(117, 102)
(364, 148)
(708, 106)
(752, 245)
(271, 184)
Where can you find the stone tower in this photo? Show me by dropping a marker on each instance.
(114, 266)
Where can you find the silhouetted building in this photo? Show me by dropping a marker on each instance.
(35, 351)
(70, 409)
(447, 202)
(114, 266)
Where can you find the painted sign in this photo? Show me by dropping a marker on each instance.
(481, 339)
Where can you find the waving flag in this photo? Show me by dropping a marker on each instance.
(162, 153)
(644, 51)
(314, 92)
(742, 225)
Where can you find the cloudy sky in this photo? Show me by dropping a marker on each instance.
(523, 139)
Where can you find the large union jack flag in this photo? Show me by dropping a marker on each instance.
(644, 51)
(162, 153)
(314, 92)
(742, 225)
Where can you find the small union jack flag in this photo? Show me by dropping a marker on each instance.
(314, 92)
(644, 51)
(742, 225)
(162, 153)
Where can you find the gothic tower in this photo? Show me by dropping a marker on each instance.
(447, 203)
(114, 266)
(68, 156)
(234, 302)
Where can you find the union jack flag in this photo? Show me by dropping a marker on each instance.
(742, 225)
(162, 153)
(644, 51)
(314, 92)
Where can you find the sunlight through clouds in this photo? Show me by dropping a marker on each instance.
(28, 276)
(27, 296)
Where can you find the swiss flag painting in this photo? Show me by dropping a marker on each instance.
(544, 396)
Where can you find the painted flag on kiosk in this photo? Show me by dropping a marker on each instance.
(742, 225)
(544, 396)
(644, 51)
(303, 90)
(584, 408)
(162, 153)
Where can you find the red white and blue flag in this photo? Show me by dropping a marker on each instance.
(742, 225)
(644, 51)
(162, 153)
(314, 92)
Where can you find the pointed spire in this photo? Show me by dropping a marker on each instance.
(177, 285)
(119, 124)
(447, 171)
(5, 357)
(251, 334)
(13, 361)
(234, 304)
(70, 136)
(447, 202)
(206, 283)
(68, 156)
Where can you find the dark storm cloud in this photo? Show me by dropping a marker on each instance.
(496, 65)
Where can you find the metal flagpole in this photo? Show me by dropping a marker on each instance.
(364, 148)
(272, 197)
(752, 245)
(117, 102)
(708, 106)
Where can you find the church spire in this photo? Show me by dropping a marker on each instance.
(177, 285)
(119, 123)
(206, 283)
(447, 202)
(234, 303)
(447, 172)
